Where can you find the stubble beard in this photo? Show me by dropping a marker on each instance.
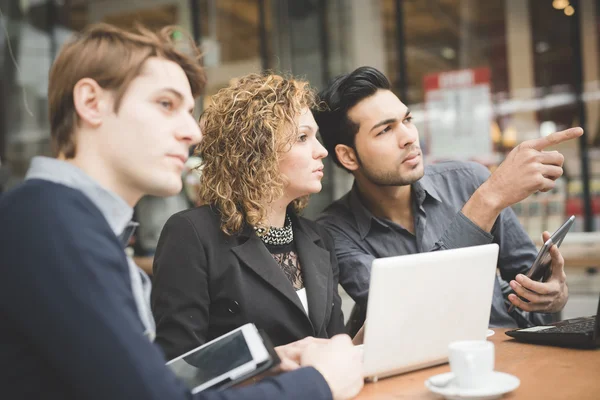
(391, 177)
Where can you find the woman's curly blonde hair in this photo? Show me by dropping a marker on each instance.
(250, 124)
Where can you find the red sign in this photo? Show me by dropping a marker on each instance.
(457, 79)
(458, 115)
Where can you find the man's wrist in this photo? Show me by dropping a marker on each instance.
(487, 197)
(483, 208)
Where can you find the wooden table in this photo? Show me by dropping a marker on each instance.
(545, 372)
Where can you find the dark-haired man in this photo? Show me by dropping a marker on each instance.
(397, 206)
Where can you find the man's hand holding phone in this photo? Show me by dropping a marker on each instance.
(550, 296)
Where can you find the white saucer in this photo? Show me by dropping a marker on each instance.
(500, 384)
(490, 333)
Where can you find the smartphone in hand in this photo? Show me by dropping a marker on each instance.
(541, 269)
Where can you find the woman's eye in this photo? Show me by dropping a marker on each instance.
(302, 138)
(166, 104)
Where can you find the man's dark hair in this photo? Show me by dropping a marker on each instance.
(343, 93)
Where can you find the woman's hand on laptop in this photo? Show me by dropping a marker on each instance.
(291, 353)
(550, 296)
(340, 363)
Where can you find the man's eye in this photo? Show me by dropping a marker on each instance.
(408, 119)
(387, 129)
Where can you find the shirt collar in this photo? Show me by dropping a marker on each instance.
(116, 211)
(428, 187)
(364, 217)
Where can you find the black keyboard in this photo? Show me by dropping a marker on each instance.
(577, 327)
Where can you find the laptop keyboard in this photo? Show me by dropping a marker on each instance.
(578, 327)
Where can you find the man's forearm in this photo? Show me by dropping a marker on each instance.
(483, 208)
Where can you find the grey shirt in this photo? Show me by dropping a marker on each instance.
(439, 224)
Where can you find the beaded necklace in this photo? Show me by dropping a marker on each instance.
(277, 236)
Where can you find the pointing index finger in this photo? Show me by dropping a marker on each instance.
(554, 139)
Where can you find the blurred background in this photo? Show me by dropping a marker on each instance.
(480, 76)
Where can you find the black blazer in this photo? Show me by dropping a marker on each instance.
(207, 283)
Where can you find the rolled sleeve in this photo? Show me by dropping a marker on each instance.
(462, 232)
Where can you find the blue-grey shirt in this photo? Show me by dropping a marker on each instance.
(439, 224)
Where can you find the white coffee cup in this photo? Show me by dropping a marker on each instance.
(472, 363)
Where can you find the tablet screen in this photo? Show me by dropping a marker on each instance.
(213, 360)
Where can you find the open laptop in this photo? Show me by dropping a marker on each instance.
(420, 303)
(575, 332)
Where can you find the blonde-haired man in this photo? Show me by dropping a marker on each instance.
(74, 309)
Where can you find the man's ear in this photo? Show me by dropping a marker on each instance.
(90, 101)
(347, 157)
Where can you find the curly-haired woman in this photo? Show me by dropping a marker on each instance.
(246, 255)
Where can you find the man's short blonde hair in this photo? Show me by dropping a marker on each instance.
(113, 58)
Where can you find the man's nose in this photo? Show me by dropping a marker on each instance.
(405, 137)
(189, 130)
